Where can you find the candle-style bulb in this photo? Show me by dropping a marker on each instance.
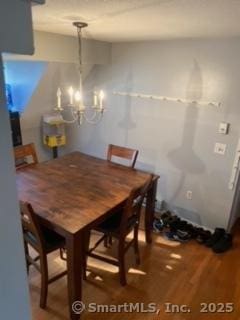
(70, 92)
(78, 96)
(101, 95)
(95, 99)
(101, 98)
(79, 99)
(59, 93)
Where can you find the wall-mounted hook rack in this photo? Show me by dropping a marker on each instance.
(163, 98)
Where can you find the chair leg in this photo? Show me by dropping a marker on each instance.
(121, 256)
(105, 242)
(26, 255)
(136, 246)
(110, 240)
(87, 235)
(63, 254)
(44, 280)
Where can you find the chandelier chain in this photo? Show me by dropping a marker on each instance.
(79, 31)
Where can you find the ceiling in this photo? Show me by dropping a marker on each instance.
(134, 20)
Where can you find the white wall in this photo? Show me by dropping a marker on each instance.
(175, 140)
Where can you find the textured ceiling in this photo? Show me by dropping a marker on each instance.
(131, 20)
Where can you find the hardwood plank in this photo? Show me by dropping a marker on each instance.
(170, 272)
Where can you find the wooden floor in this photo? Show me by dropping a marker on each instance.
(174, 273)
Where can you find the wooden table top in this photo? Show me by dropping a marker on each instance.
(72, 192)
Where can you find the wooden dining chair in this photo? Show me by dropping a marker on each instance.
(128, 154)
(43, 241)
(119, 226)
(23, 154)
(123, 153)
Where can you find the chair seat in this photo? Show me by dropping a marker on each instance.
(53, 241)
(112, 224)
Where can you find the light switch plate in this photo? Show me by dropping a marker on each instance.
(220, 148)
(223, 128)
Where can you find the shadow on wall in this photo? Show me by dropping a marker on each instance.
(184, 157)
(127, 122)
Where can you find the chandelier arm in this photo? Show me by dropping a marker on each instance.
(74, 118)
(92, 121)
(92, 117)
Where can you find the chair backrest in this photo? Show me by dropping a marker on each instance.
(30, 226)
(133, 206)
(22, 153)
(122, 152)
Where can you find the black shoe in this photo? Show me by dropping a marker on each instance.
(173, 223)
(175, 236)
(165, 217)
(183, 235)
(158, 225)
(172, 220)
(191, 230)
(224, 244)
(203, 236)
(217, 235)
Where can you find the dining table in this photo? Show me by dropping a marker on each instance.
(73, 194)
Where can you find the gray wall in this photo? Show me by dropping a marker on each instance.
(14, 299)
(175, 140)
(43, 101)
(59, 52)
(19, 12)
(61, 48)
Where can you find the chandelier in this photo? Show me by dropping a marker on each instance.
(76, 108)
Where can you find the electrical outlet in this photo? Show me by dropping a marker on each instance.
(189, 195)
(223, 128)
(220, 148)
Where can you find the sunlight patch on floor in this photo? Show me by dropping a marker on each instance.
(169, 267)
(176, 256)
(166, 242)
(102, 265)
(137, 271)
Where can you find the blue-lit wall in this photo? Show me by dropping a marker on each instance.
(23, 77)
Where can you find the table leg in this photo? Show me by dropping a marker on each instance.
(150, 209)
(75, 256)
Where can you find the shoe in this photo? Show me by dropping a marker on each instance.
(203, 236)
(158, 225)
(173, 223)
(173, 236)
(217, 235)
(224, 244)
(165, 217)
(192, 231)
(183, 236)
